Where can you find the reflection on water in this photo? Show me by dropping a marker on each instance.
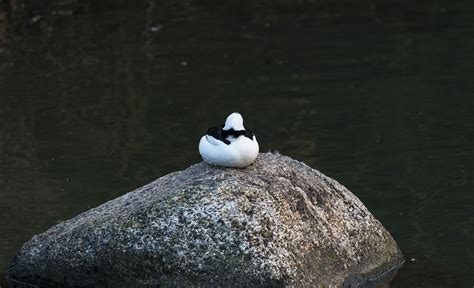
(98, 99)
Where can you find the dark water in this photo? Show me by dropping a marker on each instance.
(97, 99)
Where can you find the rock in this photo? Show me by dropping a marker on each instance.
(275, 223)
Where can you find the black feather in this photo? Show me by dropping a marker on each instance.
(216, 132)
(220, 134)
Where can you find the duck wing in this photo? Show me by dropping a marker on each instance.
(216, 132)
(236, 133)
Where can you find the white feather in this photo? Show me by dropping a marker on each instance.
(234, 121)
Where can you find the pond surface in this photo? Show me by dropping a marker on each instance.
(98, 99)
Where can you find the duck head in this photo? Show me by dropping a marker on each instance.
(234, 128)
(234, 122)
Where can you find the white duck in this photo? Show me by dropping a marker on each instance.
(229, 145)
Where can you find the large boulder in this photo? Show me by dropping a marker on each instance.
(275, 223)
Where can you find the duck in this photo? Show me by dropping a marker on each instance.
(230, 144)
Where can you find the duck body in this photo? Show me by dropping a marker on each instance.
(229, 145)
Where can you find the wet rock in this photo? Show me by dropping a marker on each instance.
(275, 223)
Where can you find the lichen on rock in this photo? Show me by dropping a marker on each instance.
(277, 222)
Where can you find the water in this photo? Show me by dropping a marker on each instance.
(98, 99)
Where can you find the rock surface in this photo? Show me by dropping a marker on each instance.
(275, 223)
